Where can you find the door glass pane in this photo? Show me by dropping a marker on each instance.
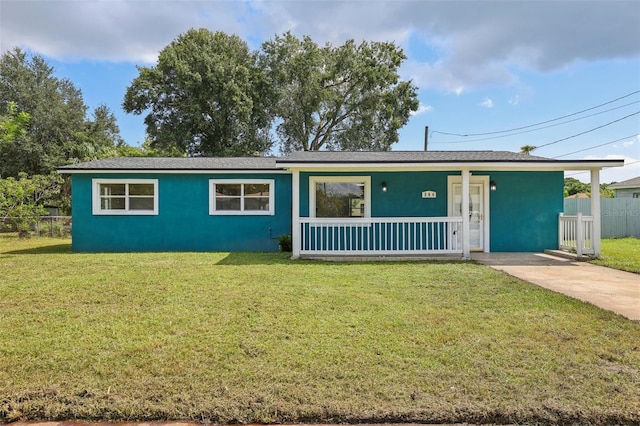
(339, 199)
(457, 200)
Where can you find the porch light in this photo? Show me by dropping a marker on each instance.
(492, 185)
(384, 186)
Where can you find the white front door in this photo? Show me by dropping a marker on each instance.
(478, 208)
(476, 212)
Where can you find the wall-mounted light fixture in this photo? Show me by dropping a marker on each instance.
(492, 185)
(384, 186)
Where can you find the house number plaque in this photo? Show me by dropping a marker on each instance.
(428, 194)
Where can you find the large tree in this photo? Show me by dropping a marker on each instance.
(206, 96)
(209, 94)
(58, 131)
(348, 97)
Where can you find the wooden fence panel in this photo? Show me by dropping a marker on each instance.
(620, 216)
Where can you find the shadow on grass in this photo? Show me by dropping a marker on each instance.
(264, 258)
(52, 249)
(255, 258)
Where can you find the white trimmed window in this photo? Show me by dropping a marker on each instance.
(340, 196)
(241, 197)
(125, 196)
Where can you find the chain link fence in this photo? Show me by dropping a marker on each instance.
(47, 226)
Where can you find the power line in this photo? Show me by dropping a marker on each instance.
(588, 131)
(540, 123)
(540, 128)
(596, 146)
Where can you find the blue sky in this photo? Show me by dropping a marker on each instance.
(480, 66)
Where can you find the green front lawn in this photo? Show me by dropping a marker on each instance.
(243, 337)
(620, 253)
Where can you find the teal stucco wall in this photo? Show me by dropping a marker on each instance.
(183, 222)
(523, 211)
(403, 197)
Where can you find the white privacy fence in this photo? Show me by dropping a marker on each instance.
(575, 233)
(620, 217)
(379, 236)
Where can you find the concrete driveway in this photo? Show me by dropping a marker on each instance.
(607, 288)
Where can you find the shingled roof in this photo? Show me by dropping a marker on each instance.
(179, 163)
(630, 183)
(407, 157)
(335, 159)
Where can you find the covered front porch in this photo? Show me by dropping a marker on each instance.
(401, 204)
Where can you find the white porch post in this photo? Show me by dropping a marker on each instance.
(295, 214)
(595, 211)
(466, 244)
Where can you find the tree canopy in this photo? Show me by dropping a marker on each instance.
(13, 124)
(51, 115)
(209, 94)
(348, 97)
(44, 125)
(205, 96)
(573, 186)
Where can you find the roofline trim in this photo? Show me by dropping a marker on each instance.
(457, 165)
(71, 171)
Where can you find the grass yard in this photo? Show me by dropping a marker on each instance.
(246, 338)
(620, 253)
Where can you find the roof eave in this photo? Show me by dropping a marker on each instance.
(165, 171)
(455, 165)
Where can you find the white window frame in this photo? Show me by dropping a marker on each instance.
(313, 180)
(242, 211)
(97, 207)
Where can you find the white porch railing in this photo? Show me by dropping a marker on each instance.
(381, 236)
(575, 233)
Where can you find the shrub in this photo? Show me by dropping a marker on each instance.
(285, 242)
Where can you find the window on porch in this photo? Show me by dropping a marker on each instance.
(339, 196)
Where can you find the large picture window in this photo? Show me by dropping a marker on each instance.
(240, 196)
(125, 196)
(339, 196)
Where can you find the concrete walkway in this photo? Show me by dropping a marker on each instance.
(607, 288)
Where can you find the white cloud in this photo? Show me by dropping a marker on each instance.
(487, 103)
(477, 43)
(422, 109)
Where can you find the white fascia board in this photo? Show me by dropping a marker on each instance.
(498, 165)
(171, 172)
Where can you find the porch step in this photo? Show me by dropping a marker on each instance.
(568, 255)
